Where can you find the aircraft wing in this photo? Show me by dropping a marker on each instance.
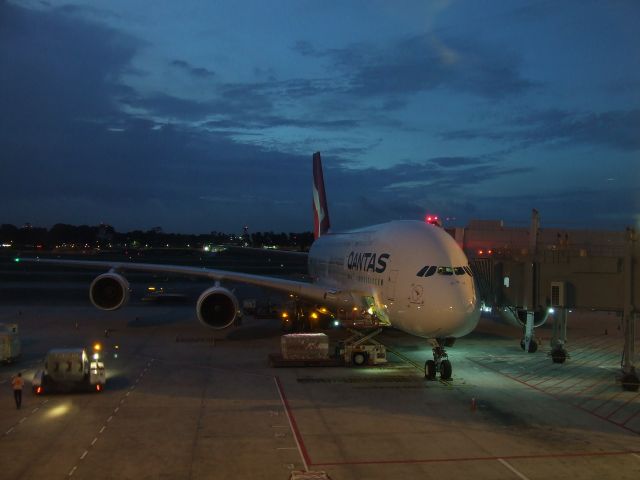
(305, 290)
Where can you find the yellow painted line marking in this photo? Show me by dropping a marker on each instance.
(84, 454)
(22, 419)
(110, 418)
(9, 431)
(35, 410)
(73, 470)
(102, 429)
(116, 410)
(636, 455)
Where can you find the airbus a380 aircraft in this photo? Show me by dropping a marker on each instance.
(410, 275)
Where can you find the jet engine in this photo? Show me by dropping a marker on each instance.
(217, 308)
(109, 291)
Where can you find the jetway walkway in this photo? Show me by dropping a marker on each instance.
(530, 281)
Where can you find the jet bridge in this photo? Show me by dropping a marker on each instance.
(550, 271)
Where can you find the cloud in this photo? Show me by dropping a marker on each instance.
(425, 63)
(615, 128)
(199, 72)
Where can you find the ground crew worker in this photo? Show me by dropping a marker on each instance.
(17, 383)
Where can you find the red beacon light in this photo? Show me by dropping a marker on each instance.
(433, 220)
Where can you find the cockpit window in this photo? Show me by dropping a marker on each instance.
(459, 270)
(468, 270)
(422, 271)
(445, 271)
(431, 271)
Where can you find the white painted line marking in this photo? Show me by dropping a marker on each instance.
(295, 437)
(122, 400)
(73, 470)
(512, 469)
(636, 455)
(110, 418)
(84, 454)
(116, 410)
(126, 395)
(46, 401)
(9, 431)
(132, 387)
(35, 410)
(22, 419)
(93, 442)
(102, 429)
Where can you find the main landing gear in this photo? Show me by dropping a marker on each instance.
(440, 363)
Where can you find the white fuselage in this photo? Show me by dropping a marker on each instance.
(387, 263)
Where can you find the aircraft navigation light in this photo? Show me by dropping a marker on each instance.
(17, 259)
(314, 315)
(97, 347)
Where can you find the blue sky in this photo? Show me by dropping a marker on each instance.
(200, 116)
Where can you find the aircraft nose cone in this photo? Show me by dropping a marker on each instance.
(462, 310)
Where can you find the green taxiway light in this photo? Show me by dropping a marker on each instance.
(17, 259)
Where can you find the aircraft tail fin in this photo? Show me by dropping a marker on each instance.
(321, 223)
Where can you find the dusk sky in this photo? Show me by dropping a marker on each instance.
(203, 115)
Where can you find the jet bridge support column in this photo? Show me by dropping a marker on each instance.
(559, 338)
(630, 380)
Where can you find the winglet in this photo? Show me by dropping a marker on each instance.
(320, 211)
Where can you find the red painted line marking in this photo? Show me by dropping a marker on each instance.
(623, 405)
(621, 425)
(294, 426)
(631, 417)
(589, 387)
(479, 459)
(610, 399)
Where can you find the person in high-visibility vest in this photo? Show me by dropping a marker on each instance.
(17, 383)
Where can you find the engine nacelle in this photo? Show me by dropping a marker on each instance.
(519, 316)
(217, 308)
(109, 291)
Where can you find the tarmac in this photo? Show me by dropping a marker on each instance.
(186, 402)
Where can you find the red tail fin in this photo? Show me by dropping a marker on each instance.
(320, 211)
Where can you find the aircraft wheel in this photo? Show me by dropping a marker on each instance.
(445, 370)
(630, 382)
(533, 345)
(359, 358)
(559, 355)
(430, 370)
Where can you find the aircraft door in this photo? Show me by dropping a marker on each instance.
(390, 286)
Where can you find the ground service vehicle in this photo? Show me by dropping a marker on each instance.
(70, 369)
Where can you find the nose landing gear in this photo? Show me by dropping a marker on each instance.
(439, 364)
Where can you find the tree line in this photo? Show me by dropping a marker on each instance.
(64, 236)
